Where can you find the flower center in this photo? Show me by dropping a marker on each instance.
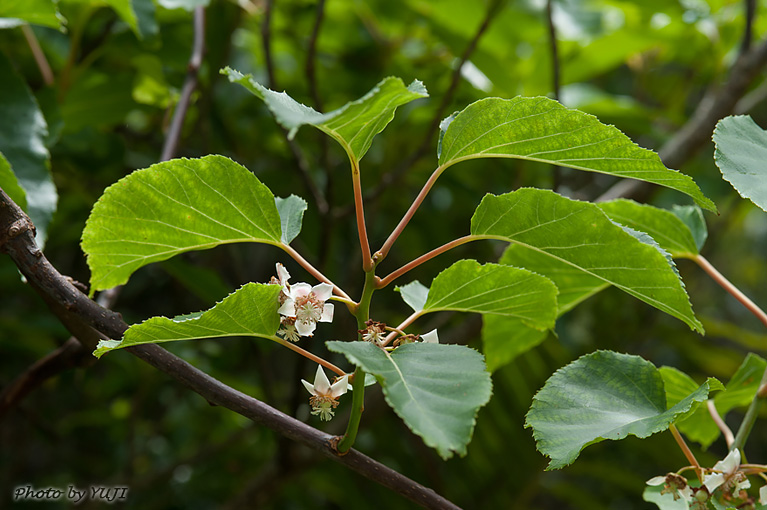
(308, 308)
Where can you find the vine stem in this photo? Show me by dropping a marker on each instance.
(409, 214)
(730, 288)
(407, 322)
(308, 355)
(726, 432)
(37, 53)
(358, 381)
(748, 421)
(751, 414)
(687, 452)
(367, 260)
(383, 282)
(313, 271)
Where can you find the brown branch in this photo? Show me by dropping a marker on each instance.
(72, 353)
(748, 29)
(555, 78)
(395, 175)
(190, 84)
(78, 312)
(697, 130)
(37, 53)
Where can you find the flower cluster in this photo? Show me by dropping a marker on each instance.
(301, 306)
(725, 477)
(324, 395)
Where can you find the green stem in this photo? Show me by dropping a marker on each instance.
(748, 421)
(358, 384)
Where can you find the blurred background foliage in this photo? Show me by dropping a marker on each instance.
(118, 69)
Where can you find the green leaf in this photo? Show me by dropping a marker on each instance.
(36, 12)
(174, 207)
(353, 125)
(603, 395)
(581, 236)
(23, 132)
(436, 389)
(739, 392)
(741, 148)
(495, 289)
(665, 227)
(414, 294)
(10, 184)
(291, 212)
(505, 338)
(541, 129)
(249, 311)
(692, 217)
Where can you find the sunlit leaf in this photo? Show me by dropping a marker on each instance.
(10, 184)
(741, 149)
(23, 132)
(541, 129)
(174, 207)
(603, 395)
(495, 289)
(581, 236)
(436, 389)
(249, 311)
(665, 227)
(35, 12)
(353, 125)
(291, 210)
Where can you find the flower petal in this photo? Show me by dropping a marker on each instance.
(321, 383)
(656, 480)
(327, 313)
(430, 337)
(763, 495)
(300, 290)
(340, 387)
(305, 328)
(282, 274)
(713, 481)
(288, 308)
(309, 387)
(323, 291)
(730, 463)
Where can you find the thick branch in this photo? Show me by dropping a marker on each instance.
(17, 240)
(699, 127)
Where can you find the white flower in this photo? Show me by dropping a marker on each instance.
(324, 396)
(674, 484)
(307, 305)
(763, 495)
(374, 332)
(728, 474)
(430, 337)
(288, 329)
